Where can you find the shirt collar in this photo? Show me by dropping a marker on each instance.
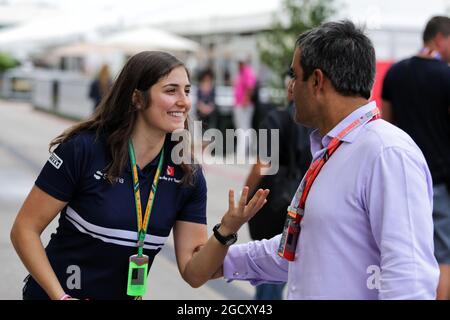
(318, 142)
(154, 163)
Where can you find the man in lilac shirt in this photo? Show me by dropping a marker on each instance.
(367, 230)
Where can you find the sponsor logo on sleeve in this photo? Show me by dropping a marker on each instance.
(55, 160)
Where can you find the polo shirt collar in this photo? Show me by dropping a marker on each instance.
(318, 143)
(154, 163)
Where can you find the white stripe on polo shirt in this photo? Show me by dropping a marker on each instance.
(125, 237)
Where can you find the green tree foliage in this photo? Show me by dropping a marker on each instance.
(7, 62)
(276, 45)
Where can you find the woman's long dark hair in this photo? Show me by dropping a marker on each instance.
(116, 115)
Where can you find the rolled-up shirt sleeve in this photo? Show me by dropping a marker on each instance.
(399, 198)
(257, 262)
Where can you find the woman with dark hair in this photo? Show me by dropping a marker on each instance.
(120, 193)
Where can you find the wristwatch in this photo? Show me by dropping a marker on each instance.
(226, 241)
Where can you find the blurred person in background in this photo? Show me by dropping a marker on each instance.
(244, 84)
(294, 160)
(100, 86)
(206, 97)
(259, 110)
(103, 174)
(416, 98)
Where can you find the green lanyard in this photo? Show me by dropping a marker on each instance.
(143, 222)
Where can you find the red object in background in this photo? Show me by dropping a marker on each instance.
(381, 68)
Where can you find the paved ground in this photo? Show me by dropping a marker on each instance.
(24, 137)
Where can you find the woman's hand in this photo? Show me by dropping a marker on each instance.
(235, 217)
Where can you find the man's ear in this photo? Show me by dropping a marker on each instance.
(318, 79)
(439, 40)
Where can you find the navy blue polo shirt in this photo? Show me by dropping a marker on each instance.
(97, 230)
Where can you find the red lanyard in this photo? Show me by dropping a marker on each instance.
(334, 144)
(292, 228)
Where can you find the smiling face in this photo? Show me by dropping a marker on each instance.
(169, 102)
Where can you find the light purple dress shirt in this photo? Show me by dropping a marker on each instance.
(367, 232)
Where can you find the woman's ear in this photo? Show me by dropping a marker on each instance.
(136, 99)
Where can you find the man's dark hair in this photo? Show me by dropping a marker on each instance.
(437, 24)
(343, 53)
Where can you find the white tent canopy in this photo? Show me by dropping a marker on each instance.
(147, 38)
(78, 17)
(47, 31)
(79, 49)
